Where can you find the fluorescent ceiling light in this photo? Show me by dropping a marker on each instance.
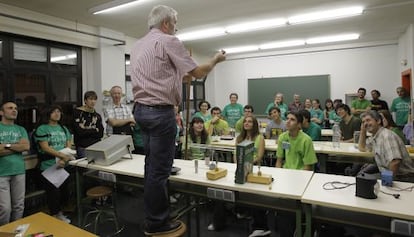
(326, 15)
(333, 38)
(282, 44)
(201, 34)
(113, 6)
(241, 49)
(256, 25)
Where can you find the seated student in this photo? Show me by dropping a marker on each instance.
(390, 152)
(51, 137)
(203, 113)
(278, 102)
(316, 112)
(408, 130)
(313, 130)
(276, 126)
(330, 113)
(250, 132)
(197, 135)
(216, 126)
(349, 123)
(247, 111)
(388, 122)
(295, 151)
(307, 104)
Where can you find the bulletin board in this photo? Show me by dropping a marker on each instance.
(261, 91)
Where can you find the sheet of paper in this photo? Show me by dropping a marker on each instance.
(56, 175)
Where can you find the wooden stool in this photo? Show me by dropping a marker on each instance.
(101, 212)
(178, 233)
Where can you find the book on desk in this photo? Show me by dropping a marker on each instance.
(244, 155)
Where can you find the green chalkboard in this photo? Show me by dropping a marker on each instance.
(261, 91)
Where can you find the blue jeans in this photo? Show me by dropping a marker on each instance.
(158, 134)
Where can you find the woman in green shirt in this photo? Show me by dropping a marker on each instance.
(51, 137)
(388, 122)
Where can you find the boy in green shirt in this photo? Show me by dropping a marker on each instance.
(233, 111)
(294, 146)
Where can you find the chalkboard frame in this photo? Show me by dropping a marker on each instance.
(261, 91)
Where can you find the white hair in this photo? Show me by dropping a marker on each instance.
(160, 13)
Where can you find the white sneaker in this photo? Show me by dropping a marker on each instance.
(211, 227)
(62, 217)
(260, 233)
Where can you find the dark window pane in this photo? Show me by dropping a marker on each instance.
(30, 88)
(64, 88)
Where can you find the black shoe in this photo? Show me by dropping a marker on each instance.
(169, 227)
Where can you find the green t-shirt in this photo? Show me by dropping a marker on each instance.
(314, 131)
(360, 104)
(56, 136)
(197, 153)
(283, 109)
(297, 152)
(317, 113)
(12, 164)
(219, 128)
(232, 113)
(201, 115)
(137, 136)
(401, 107)
(333, 116)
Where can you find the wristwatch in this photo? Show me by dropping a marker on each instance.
(7, 146)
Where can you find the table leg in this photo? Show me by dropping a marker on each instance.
(298, 219)
(308, 218)
(79, 195)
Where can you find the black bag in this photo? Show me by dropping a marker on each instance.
(123, 130)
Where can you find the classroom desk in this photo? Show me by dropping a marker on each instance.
(341, 205)
(41, 222)
(279, 195)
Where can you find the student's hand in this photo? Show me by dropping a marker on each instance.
(61, 163)
(215, 119)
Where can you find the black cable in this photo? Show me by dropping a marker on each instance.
(398, 189)
(336, 185)
(395, 195)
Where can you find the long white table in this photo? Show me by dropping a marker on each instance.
(341, 205)
(285, 192)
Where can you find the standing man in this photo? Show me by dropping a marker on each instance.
(389, 149)
(401, 107)
(360, 105)
(14, 141)
(376, 103)
(119, 118)
(296, 105)
(233, 111)
(159, 62)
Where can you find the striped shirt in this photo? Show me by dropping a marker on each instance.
(159, 61)
(388, 146)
